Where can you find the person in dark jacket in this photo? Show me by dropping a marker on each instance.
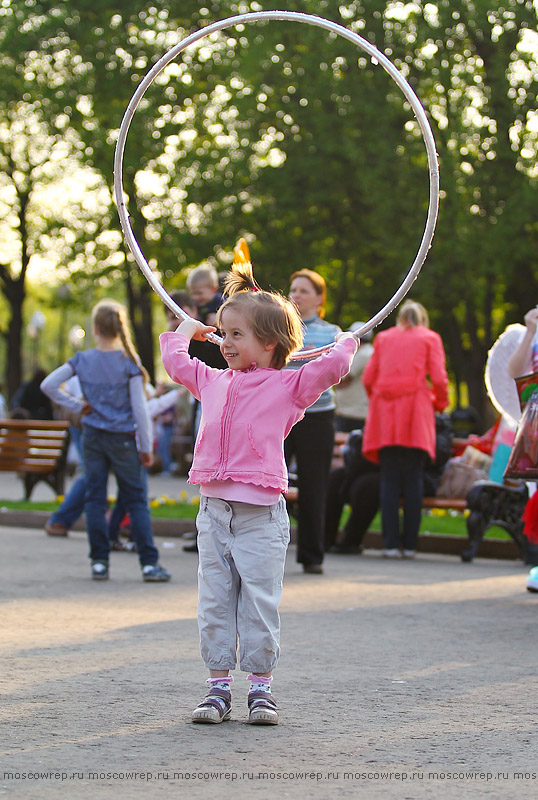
(32, 399)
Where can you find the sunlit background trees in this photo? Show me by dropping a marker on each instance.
(278, 132)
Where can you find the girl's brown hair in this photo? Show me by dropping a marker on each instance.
(110, 320)
(272, 317)
(318, 282)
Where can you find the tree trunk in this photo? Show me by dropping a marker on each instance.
(474, 379)
(141, 316)
(14, 293)
(139, 291)
(467, 364)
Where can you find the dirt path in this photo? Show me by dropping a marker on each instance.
(397, 680)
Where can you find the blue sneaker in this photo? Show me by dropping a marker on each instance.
(99, 571)
(154, 573)
(532, 580)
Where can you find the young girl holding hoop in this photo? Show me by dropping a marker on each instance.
(113, 408)
(243, 528)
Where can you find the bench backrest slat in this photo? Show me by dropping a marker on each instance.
(35, 424)
(20, 446)
(28, 466)
(25, 436)
(30, 458)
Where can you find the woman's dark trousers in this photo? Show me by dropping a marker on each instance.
(402, 477)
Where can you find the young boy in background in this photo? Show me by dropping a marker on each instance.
(203, 286)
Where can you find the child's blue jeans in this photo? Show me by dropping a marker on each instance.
(73, 506)
(104, 451)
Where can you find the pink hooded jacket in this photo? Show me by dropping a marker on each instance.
(246, 415)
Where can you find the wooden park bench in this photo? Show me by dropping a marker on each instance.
(488, 504)
(36, 449)
(445, 503)
(498, 504)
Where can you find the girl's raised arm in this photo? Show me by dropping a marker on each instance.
(314, 377)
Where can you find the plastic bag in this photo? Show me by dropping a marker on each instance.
(458, 478)
(523, 461)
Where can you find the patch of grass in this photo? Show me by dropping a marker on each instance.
(456, 526)
(446, 524)
(166, 510)
(443, 524)
(175, 511)
(27, 505)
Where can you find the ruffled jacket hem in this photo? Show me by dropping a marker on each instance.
(264, 480)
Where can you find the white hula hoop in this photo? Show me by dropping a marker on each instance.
(374, 53)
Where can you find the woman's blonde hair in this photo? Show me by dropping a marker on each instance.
(318, 282)
(110, 320)
(412, 313)
(272, 317)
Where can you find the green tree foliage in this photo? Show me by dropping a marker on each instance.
(293, 137)
(474, 66)
(290, 136)
(115, 45)
(45, 216)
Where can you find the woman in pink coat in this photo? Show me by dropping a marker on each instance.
(406, 382)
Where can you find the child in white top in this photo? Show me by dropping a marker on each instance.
(243, 527)
(524, 359)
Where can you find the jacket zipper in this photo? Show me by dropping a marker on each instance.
(226, 426)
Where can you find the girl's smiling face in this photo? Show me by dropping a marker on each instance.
(240, 347)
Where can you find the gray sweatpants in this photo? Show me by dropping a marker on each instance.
(242, 550)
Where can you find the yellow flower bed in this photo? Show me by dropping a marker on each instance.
(163, 500)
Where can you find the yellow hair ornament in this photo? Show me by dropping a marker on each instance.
(241, 252)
